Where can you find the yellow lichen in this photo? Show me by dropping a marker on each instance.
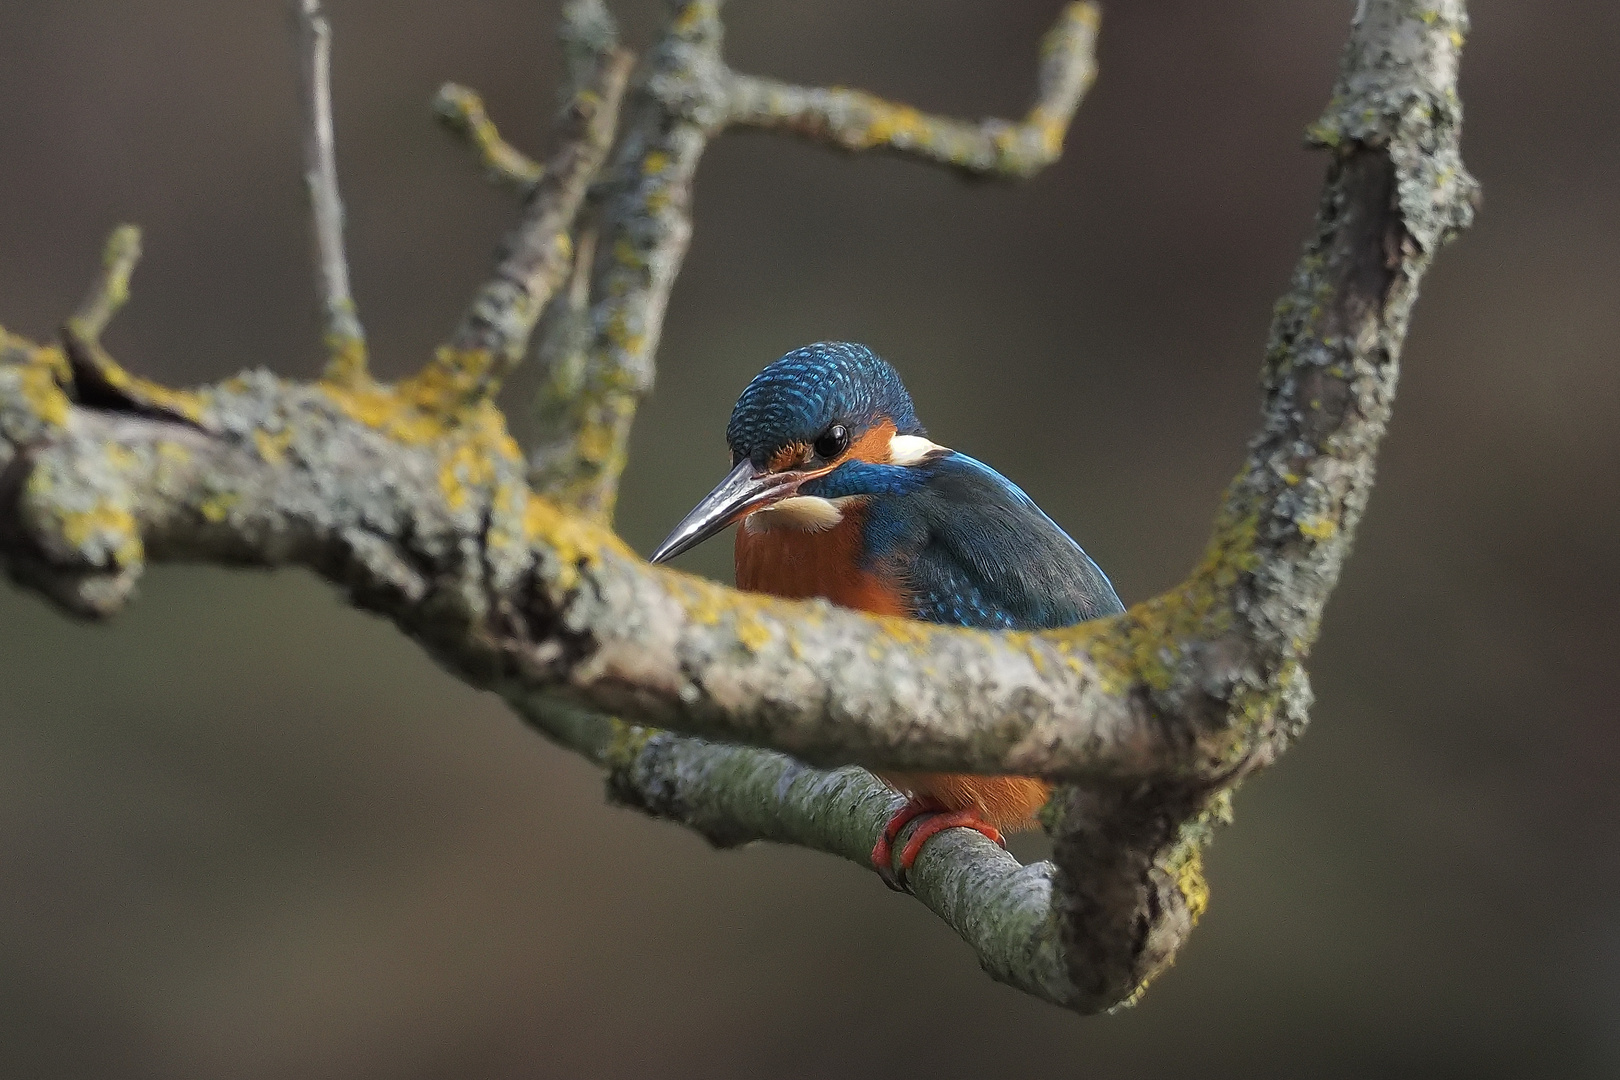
(461, 466)
(911, 632)
(1191, 884)
(694, 13)
(1319, 528)
(186, 403)
(626, 743)
(441, 406)
(1144, 643)
(53, 359)
(1050, 127)
(172, 453)
(1323, 134)
(456, 379)
(43, 394)
(626, 254)
(892, 124)
(752, 631)
(575, 541)
(106, 525)
(272, 446)
(1087, 15)
(345, 360)
(750, 615)
(216, 508)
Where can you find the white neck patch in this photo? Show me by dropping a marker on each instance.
(802, 513)
(910, 449)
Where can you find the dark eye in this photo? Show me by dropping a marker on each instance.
(833, 441)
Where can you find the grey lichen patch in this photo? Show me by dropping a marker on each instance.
(80, 507)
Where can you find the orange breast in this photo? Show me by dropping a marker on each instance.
(800, 565)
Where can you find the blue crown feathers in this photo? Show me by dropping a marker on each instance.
(799, 396)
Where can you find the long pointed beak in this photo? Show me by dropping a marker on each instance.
(741, 493)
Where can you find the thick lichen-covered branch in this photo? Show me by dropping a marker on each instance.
(415, 500)
(855, 120)
(345, 338)
(645, 228)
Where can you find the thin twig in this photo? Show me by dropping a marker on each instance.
(345, 337)
(855, 120)
(110, 289)
(462, 111)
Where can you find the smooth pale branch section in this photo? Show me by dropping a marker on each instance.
(811, 513)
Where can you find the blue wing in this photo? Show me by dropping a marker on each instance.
(974, 550)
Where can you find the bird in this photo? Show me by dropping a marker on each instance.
(839, 493)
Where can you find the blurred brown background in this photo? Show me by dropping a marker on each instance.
(248, 832)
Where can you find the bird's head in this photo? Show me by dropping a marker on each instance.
(800, 435)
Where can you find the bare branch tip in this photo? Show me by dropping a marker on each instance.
(588, 26)
(461, 111)
(344, 336)
(110, 289)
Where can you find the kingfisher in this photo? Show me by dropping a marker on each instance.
(840, 494)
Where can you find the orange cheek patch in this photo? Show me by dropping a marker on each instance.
(874, 445)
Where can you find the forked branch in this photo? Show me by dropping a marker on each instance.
(416, 501)
(855, 120)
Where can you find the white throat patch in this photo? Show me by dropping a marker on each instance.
(910, 449)
(804, 513)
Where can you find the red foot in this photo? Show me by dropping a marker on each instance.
(883, 851)
(938, 820)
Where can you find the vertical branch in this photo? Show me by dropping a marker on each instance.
(536, 257)
(565, 336)
(647, 224)
(345, 338)
(586, 33)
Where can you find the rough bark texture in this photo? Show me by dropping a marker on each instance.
(414, 499)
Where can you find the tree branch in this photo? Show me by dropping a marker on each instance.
(109, 292)
(646, 225)
(494, 333)
(415, 501)
(462, 111)
(855, 120)
(345, 338)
